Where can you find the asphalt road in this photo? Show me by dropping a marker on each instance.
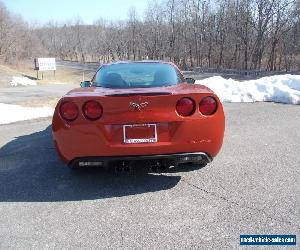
(21, 94)
(89, 68)
(78, 65)
(252, 187)
(92, 67)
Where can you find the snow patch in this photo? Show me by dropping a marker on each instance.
(13, 113)
(280, 88)
(22, 81)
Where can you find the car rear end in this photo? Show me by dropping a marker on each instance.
(173, 125)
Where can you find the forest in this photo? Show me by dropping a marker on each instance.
(216, 34)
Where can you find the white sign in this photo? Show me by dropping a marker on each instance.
(45, 64)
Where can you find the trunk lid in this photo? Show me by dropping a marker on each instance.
(139, 105)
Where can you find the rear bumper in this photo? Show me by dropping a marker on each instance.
(173, 159)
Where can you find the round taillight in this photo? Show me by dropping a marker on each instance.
(68, 111)
(185, 106)
(208, 105)
(92, 110)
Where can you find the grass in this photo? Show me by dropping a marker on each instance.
(62, 74)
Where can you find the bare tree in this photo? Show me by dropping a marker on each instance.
(237, 34)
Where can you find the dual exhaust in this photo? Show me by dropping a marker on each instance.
(126, 167)
(123, 169)
(158, 167)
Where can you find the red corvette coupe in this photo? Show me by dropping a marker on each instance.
(138, 112)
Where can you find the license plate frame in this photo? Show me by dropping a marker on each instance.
(139, 140)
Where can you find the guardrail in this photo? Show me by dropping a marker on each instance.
(242, 72)
(251, 73)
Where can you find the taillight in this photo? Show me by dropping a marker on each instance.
(68, 111)
(185, 106)
(208, 105)
(92, 110)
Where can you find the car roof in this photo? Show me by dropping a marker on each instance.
(140, 61)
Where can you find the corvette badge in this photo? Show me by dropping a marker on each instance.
(138, 106)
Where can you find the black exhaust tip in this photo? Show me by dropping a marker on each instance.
(126, 169)
(118, 169)
(154, 168)
(163, 167)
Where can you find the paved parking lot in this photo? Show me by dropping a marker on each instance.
(39, 94)
(252, 187)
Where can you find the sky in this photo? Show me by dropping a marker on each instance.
(43, 11)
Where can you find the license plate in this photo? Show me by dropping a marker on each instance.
(140, 133)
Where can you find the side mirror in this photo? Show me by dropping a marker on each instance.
(85, 84)
(190, 80)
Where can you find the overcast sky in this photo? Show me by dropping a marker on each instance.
(44, 11)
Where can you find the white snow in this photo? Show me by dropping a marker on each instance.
(22, 81)
(280, 88)
(13, 113)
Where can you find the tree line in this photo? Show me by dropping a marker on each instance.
(230, 34)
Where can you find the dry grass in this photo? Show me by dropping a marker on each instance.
(6, 74)
(62, 74)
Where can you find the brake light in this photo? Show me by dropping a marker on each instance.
(208, 105)
(68, 111)
(92, 110)
(185, 106)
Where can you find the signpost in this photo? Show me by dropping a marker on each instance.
(44, 64)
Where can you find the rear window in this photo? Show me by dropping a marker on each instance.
(137, 75)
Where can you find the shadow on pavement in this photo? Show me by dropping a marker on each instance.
(31, 171)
